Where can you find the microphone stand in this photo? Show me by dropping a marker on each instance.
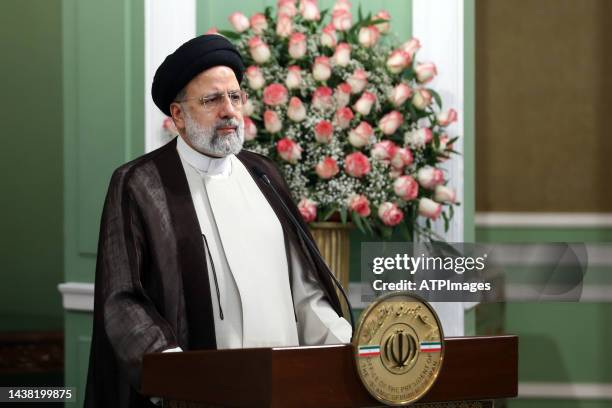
(311, 245)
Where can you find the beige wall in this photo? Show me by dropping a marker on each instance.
(543, 105)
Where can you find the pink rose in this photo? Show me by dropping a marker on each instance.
(356, 164)
(398, 61)
(360, 204)
(212, 30)
(342, 19)
(391, 122)
(308, 209)
(239, 21)
(275, 94)
(286, 7)
(169, 127)
(383, 151)
(258, 23)
(383, 15)
(255, 77)
(297, 45)
(425, 72)
(296, 111)
(402, 157)
(248, 109)
(364, 103)
(448, 117)
(390, 214)
(323, 131)
(294, 77)
(342, 5)
(328, 36)
(288, 150)
(361, 135)
(342, 55)
(411, 47)
(309, 10)
(342, 94)
(250, 130)
(419, 137)
(327, 168)
(406, 188)
(368, 36)
(272, 122)
(321, 69)
(443, 194)
(400, 94)
(358, 80)
(322, 98)
(429, 177)
(343, 117)
(429, 208)
(422, 99)
(260, 52)
(284, 25)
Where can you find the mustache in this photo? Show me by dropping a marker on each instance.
(226, 123)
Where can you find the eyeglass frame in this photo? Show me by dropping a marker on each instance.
(203, 99)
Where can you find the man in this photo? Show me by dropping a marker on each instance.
(196, 250)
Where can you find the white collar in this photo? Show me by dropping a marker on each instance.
(205, 165)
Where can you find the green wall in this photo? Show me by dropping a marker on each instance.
(469, 120)
(31, 162)
(212, 13)
(103, 82)
(559, 342)
(103, 56)
(78, 341)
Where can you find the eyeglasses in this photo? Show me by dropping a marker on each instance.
(214, 101)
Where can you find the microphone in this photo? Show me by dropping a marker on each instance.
(310, 243)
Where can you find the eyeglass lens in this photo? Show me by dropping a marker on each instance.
(237, 98)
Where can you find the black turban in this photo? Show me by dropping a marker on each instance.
(191, 58)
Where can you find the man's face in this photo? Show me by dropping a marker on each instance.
(207, 118)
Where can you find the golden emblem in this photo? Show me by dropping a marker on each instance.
(399, 347)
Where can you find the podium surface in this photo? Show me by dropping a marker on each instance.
(478, 369)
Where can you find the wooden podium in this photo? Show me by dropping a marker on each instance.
(475, 371)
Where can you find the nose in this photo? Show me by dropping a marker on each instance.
(227, 110)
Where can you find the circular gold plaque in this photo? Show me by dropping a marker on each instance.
(399, 347)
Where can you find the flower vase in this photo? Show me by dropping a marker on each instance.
(332, 238)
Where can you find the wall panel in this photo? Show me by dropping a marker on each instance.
(103, 115)
(542, 99)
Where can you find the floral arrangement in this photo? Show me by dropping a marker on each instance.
(346, 114)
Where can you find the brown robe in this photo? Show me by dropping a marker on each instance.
(151, 288)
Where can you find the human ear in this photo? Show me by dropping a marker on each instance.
(177, 115)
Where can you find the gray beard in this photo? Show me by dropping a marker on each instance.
(206, 140)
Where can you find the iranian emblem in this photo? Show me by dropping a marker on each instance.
(399, 348)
